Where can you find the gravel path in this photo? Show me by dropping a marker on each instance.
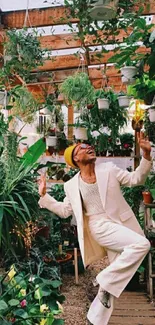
(79, 297)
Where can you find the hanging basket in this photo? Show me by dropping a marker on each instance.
(152, 114)
(128, 74)
(124, 101)
(104, 9)
(80, 133)
(51, 141)
(103, 103)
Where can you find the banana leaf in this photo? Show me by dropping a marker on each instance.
(34, 153)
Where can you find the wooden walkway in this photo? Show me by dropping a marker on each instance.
(133, 308)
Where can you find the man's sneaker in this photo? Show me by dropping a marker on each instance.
(95, 283)
(104, 298)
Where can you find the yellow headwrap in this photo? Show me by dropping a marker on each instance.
(68, 155)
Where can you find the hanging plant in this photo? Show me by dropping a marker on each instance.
(24, 104)
(24, 50)
(78, 90)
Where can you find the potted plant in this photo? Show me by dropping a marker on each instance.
(25, 52)
(51, 138)
(149, 185)
(24, 104)
(101, 144)
(123, 99)
(78, 90)
(151, 111)
(49, 106)
(62, 142)
(80, 132)
(144, 89)
(127, 141)
(103, 103)
(128, 73)
(103, 10)
(149, 127)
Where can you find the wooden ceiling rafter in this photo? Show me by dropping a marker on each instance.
(73, 61)
(54, 16)
(71, 40)
(64, 65)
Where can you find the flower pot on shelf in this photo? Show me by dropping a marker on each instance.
(80, 133)
(147, 197)
(128, 74)
(152, 114)
(103, 103)
(124, 101)
(51, 141)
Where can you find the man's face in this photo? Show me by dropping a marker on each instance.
(84, 153)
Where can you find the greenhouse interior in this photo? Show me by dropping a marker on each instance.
(77, 159)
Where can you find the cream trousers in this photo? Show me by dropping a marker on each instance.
(131, 248)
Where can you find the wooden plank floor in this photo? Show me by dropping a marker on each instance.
(133, 308)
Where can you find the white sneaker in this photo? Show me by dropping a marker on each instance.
(104, 298)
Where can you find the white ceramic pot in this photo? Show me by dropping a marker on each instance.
(45, 111)
(80, 133)
(4, 98)
(128, 74)
(103, 103)
(152, 114)
(103, 9)
(124, 101)
(51, 141)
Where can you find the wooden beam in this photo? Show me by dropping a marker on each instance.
(71, 40)
(74, 60)
(56, 15)
(60, 42)
(61, 62)
(37, 17)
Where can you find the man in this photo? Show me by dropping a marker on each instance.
(105, 222)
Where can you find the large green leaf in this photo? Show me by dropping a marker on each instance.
(1, 213)
(5, 322)
(21, 313)
(58, 322)
(34, 152)
(46, 291)
(56, 284)
(3, 305)
(23, 204)
(13, 302)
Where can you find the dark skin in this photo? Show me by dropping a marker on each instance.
(85, 160)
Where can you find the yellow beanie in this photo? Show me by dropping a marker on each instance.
(68, 155)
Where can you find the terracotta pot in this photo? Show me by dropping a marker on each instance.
(65, 259)
(147, 198)
(90, 106)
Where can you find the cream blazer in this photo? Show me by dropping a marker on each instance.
(109, 178)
